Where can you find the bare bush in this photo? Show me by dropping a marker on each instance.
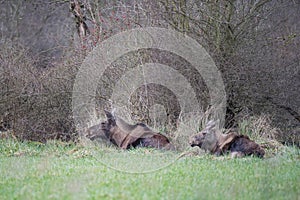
(37, 101)
(254, 44)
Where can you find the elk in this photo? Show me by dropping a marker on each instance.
(125, 135)
(211, 139)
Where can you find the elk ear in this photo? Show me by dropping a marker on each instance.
(211, 124)
(110, 118)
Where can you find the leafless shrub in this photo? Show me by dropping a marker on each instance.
(254, 44)
(37, 102)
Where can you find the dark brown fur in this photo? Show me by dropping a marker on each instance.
(125, 135)
(212, 140)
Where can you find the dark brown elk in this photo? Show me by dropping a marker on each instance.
(98, 132)
(125, 135)
(211, 139)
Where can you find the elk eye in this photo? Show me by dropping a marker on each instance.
(204, 133)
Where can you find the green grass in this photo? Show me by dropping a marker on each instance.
(68, 171)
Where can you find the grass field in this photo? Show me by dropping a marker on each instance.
(67, 171)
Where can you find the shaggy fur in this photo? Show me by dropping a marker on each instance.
(125, 135)
(212, 140)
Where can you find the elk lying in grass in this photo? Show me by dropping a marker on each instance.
(211, 139)
(125, 135)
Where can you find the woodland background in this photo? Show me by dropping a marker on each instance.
(255, 44)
